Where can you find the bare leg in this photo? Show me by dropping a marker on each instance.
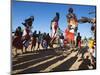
(32, 47)
(25, 48)
(22, 51)
(15, 52)
(38, 45)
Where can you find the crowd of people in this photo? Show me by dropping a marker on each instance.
(24, 38)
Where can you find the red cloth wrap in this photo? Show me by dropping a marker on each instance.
(69, 36)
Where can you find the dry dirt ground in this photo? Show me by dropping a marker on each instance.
(50, 60)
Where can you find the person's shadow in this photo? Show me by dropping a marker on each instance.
(86, 62)
(83, 50)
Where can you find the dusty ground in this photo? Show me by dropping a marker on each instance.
(51, 60)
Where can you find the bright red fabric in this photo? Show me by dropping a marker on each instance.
(69, 36)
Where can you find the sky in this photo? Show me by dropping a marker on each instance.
(44, 12)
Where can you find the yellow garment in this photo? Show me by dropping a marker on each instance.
(91, 43)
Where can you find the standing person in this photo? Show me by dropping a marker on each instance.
(39, 40)
(85, 42)
(26, 38)
(17, 41)
(91, 45)
(45, 45)
(26, 33)
(44, 41)
(78, 43)
(48, 39)
(92, 51)
(34, 40)
(71, 31)
(59, 32)
(61, 40)
(54, 26)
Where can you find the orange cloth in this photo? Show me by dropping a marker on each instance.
(69, 36)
